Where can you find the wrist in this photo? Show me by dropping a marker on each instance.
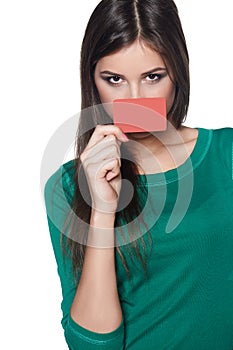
(101, 230)
(102, 219)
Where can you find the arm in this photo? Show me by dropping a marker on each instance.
(83, 330)
(96, 305)
(91, 307)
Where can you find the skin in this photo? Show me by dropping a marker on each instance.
(172, 147)
(96, 305)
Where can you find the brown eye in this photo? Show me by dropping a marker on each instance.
(114, 80)
(153, 77)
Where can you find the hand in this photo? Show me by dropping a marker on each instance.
(101, 161)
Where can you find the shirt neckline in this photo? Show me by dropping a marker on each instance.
(191, 163)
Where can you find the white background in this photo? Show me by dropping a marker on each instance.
(39, 90)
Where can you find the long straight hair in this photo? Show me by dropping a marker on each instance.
(113, 25)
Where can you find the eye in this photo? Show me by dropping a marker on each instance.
(153, 77)
(114, 80)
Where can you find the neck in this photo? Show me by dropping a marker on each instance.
(155, 141)
(161, 150)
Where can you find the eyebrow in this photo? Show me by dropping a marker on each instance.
(146, 73)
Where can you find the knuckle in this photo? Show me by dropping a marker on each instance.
(82, 157)
(115, 158)
(98, 126)
(116, 163)
(112, 161)
(111, 137)
(85, 161)
(114, 148)
(88, 166)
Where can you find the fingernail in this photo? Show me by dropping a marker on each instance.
(125, 137)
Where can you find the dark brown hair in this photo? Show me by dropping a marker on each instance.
(115, 24)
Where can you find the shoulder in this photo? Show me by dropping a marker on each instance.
(224, 133)
(58, 196)
(61, 181)
(222, 148)
(223, 139)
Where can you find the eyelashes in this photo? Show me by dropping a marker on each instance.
(152, 77)
(116, 80)
(108, 79)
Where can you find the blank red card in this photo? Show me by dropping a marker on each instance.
(140, 114)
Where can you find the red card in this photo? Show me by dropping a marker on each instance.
(140, 114)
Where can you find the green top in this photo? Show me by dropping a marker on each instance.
(186, 303)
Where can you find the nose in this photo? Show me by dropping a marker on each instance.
(135, 91)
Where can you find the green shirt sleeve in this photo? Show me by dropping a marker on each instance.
(58, 195)
(225, 149)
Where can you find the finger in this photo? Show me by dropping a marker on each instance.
(112, 166)
(113, 173)
(101, 151)
(102, 131)
(99, 168)
(116, 184)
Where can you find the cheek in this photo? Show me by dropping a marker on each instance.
(105, 97)
(101, 91)
(165, 89)
(171, 98)
(169, 93)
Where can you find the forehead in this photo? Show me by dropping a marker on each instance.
(137, 56)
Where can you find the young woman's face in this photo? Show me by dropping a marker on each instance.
(132, 72)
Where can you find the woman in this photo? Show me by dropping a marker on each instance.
(164, 279)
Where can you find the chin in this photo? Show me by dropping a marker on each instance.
(138, 135)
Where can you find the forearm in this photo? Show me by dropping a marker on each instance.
(96, 305)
